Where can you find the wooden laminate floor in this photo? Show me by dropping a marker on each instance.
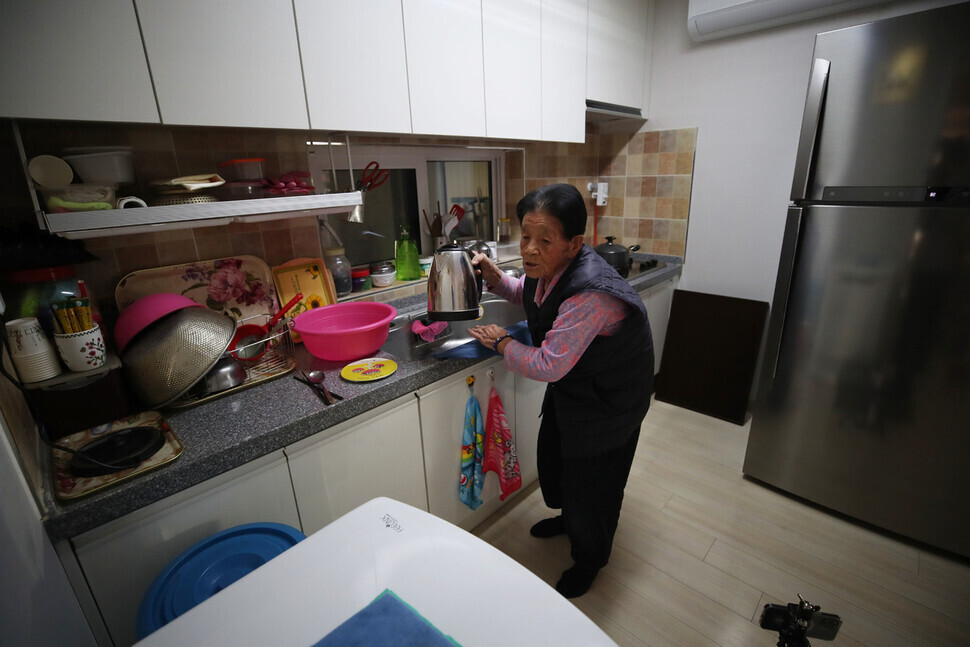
(700, 550)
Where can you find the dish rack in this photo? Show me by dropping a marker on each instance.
(277, 361)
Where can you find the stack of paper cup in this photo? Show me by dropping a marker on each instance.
(32, 353)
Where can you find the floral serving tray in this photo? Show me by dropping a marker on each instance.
(239, 286)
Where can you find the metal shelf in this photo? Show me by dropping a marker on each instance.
(90, 224)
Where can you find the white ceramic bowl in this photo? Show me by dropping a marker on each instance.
(49, 171)
(106, 167)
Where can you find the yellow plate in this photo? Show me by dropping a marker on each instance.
(368, 370)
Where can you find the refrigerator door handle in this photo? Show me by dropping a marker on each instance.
(779, 303)
(808, 137)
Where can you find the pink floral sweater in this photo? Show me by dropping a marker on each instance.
(581, 318)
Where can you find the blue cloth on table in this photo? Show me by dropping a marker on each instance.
(474, 350)
(387, 621)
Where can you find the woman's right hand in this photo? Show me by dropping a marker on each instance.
(487, 268)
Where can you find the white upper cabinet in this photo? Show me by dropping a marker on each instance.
(563, 39)
(445, 67)
(354, 64)
(617, 57)
(62, 59)
(513, 68)
(225, 63)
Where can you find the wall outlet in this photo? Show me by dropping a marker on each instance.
(600, 191)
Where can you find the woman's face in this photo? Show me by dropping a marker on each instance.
(544, 247)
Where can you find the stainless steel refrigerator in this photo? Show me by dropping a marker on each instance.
(863, 403)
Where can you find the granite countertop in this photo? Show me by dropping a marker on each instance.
(233, 430)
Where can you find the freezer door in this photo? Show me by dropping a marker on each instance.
(865, 406)
(894, 108)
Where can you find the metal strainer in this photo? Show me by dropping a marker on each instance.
(165, 360)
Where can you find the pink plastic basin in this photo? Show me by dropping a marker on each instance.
(343, 332)
(146, 311)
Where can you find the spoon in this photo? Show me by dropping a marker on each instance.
(317, 377)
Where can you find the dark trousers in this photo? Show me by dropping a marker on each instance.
(589, 491)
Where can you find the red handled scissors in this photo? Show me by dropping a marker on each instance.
(373, 177)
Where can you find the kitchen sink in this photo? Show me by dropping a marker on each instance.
(401, 342)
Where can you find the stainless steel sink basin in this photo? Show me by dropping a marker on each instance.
(401, 342)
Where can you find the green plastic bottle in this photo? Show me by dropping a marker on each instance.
(406, 257)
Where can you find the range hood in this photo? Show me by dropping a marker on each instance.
(602, 112)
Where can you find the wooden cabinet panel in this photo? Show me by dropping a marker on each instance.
(354, 65)
(379, 457)
(618, 48)
(564, 70)
(513, 68)
(445, 67)
(122, 558)
(222, 63)
(61, 59)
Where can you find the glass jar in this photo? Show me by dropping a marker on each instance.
(339, 267)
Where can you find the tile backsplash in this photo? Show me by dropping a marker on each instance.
(649, 176)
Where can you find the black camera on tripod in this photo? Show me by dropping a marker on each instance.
(796, 622)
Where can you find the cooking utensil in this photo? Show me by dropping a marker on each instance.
(617, 255)
(315, 388)
(454, 287)
(226, 374)
(145, 311)
(317, 381)
(245, 344)
(318, 377)
(372, 177)
(166, 359)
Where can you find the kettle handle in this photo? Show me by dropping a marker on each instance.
(477, 272)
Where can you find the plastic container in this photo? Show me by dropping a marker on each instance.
(382, 274)
(210, 566)
(339, 266)
(104, 167)
(360, 279)
(425, 263)
(146, 311)
(78, 197)
(345, 331)
(250, 168)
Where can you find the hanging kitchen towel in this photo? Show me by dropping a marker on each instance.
(500, 455)
(471, 479)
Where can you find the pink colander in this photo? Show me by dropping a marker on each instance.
(347, 331)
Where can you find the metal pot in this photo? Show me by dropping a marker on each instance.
(618, 256)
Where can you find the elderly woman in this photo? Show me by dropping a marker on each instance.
(594, 348)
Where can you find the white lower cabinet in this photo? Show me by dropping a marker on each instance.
(122, 558)
(361, 460)
(442, 406)
(657, 299)
(528, 405)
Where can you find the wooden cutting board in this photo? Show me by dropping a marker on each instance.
(710, 353)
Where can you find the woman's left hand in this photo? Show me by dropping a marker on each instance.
(487, 335)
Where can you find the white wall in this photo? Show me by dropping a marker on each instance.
(745, 95)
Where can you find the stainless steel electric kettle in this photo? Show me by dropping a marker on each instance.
(454, 288)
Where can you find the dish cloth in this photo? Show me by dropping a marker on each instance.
(470, 478)
(474, 350)
(429, 332)
(500, 455)
(387, 621)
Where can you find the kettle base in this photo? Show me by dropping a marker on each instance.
(455, 315)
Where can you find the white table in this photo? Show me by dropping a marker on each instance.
(462, 585)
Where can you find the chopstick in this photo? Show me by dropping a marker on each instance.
(316, 389)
